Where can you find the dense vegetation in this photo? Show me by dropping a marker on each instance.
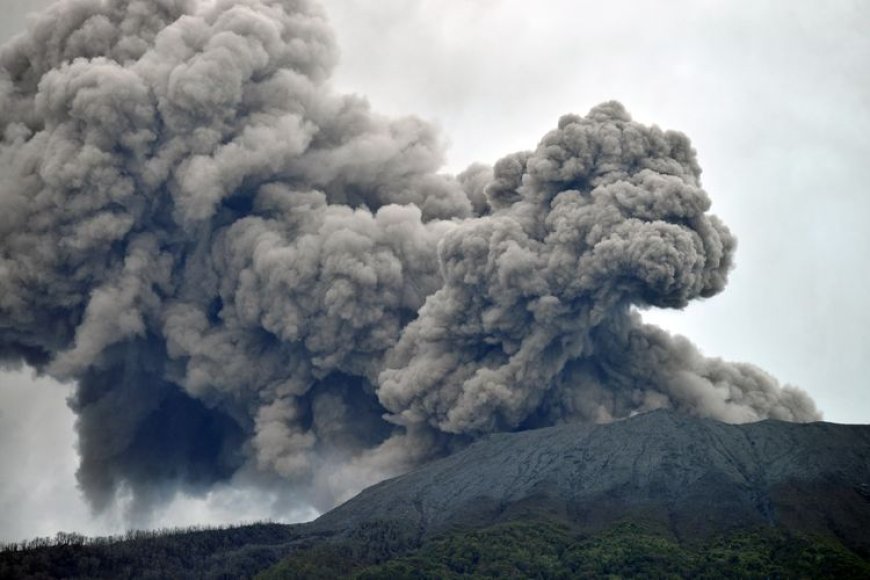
(522, 549)
(231, 552)
(549, 550)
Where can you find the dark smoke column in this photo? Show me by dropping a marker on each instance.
(213, 245)
(534, 322)
(248, 275)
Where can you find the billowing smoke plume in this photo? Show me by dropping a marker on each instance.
(246, 272)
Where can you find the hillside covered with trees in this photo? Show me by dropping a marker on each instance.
(519, 549)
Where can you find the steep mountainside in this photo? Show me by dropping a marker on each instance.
(693, 477)
(655, 495)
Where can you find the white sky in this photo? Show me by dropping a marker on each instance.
(775, 96)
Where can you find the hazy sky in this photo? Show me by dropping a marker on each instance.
(774, 95)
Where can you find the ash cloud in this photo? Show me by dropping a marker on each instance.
(250, 276)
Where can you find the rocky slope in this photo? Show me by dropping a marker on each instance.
(690, 477)
(660, 494)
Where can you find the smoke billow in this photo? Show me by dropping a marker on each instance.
(245, 272)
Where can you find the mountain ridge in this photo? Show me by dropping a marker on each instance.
(696, 475)
(660, 493)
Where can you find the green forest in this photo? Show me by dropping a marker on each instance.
(549, 550)
(522, 549)
(229, 552)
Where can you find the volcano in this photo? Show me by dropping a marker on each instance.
(691, 477)
(657, 493)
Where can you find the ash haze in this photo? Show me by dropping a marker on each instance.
(238, 269)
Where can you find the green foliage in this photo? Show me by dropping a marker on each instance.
(370, 543)
(520, 549)
(230, 552)
(550, 550)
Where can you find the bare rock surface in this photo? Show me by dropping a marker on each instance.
(692, 477)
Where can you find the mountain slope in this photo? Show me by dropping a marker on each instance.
(655, 495)
(692, 477)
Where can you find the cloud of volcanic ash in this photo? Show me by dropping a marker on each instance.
(247, 273)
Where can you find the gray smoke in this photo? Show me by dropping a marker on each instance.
(247, 273)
